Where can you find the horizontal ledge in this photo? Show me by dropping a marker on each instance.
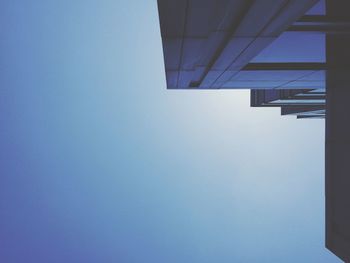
(321, 23)
(322, 19)
(286, 66)
(321, 29)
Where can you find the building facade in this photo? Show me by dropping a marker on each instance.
(290, 54)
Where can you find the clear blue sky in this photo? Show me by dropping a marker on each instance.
(100, 163)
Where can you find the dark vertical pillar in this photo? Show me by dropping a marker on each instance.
(338, 136)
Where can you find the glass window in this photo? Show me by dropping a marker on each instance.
(294, 47)
(318, 9)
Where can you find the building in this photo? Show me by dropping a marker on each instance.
(308, 103)
(288, 53)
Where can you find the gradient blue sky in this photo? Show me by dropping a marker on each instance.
(100, 163)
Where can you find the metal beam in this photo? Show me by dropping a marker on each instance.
(286, 66)
(322, 24)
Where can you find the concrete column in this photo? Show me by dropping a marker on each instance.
(338, 136)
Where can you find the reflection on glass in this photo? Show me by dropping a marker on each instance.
(294, 47)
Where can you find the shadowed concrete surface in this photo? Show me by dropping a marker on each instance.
(337, 136)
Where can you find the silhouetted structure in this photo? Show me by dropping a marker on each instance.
(287, 53)
(302, 103)
(337, 134)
